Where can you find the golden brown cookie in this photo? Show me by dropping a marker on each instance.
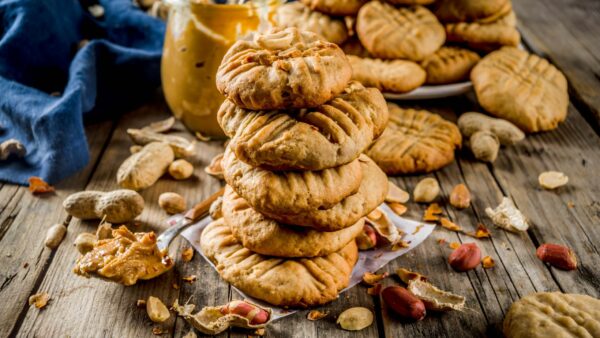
(521, 88)
(335, 7)
(399, 33)
(449, 65)
(295, 14)
(352, 46)
(394, 76)
(308, 139)
(291, 191)
(410, 2)
(470, 10)
(553, 314)
(415, 141)
(485, 36)
(369, 196)
(285, 68)
(269, 237)
(291, 282)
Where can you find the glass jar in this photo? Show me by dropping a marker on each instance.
(198, 36)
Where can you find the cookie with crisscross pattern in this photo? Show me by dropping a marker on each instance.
(553, 314)
(522, 88)
(269, 237)
(293, 282)
(327, 136)
(291, 191)
(449, 65)
(485, 36)
(285, 68)
(415, 141)
(471, 10)
(295, 14)
(335, 7)
(399, 33)
(394, 76)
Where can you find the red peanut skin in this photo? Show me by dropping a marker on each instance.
(558, 256)
(403, 302)
(244, 309)
(367, 239)
(466, 257)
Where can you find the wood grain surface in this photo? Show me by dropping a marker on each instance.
(566, 32)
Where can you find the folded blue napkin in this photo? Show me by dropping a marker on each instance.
(48, 84)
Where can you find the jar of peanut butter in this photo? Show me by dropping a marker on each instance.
(199, 33)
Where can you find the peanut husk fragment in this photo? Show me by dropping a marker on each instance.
(181, 146)
(507, 216)
(384, 227)
(406, 275)
(160, 126)
(434, 298)
(211, 321)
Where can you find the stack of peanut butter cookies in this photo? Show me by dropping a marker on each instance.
(298, 186)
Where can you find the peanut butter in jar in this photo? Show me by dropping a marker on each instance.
(198, 35)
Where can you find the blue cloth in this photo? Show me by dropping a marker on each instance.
(117, 69)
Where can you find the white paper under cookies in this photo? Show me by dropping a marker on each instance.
(368, 261)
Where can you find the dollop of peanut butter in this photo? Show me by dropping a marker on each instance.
(125, 258)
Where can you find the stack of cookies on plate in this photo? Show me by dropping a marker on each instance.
(298, 185)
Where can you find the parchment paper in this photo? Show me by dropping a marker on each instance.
(368, 261)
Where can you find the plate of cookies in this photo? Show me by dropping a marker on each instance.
(409, 49)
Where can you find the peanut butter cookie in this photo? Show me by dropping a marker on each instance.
(295, 191)
(327, 136)
(291, 282)
(285, 68)
(295, 14)
(415, 141)
(410, 2)
(370, 195)
(399, 33)
(268, 237)
(521, 88)
(485, 36)
(335, 7)
(449, 65)
(553, 314)
(394, 76)
(471, 10)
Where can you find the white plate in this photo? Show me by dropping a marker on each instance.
(433, 92)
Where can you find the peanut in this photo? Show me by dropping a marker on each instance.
(181, 169)
(216, 208)
(55, 235)
(144, 168)
(367, 239)
(104, 231)
(85, 242)
(466, 257)
(11, 147)
(558, 256)
(485, 146)
(552, 179)
(215, 167)
(426, 190)
(396, 195)
(486, 134)
(404, 303)
(157, 310)
(356, 318)
(118, 206)
(172, 203)
(254, 314)
(460, 197)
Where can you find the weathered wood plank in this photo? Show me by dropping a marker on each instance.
(572, 149)
(566, 32)
(24, 219)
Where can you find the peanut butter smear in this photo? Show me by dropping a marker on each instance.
(125, 258)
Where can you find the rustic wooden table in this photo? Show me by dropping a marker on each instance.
(566, 32)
